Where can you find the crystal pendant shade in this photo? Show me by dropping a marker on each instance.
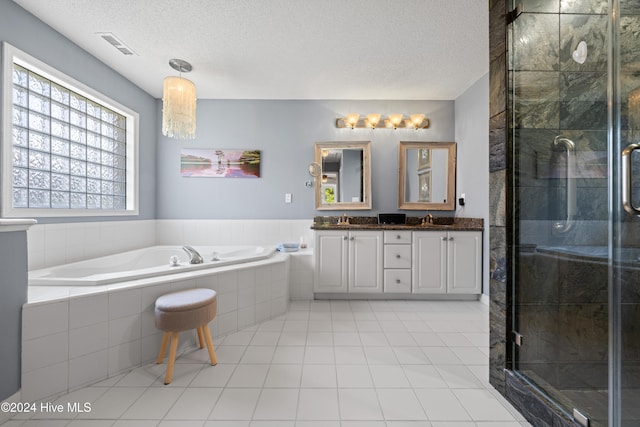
(179, 108)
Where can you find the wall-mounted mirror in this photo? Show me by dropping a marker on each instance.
(427, 175)
(344, 181)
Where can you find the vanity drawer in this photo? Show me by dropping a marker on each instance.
(397, 280)
(397, 237)
(397, 256)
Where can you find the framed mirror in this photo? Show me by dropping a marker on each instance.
(427, 176)
(344, 181)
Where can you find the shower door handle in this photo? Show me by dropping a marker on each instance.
(559, 143)
(627, 185)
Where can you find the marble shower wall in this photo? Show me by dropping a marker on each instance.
(554, 95)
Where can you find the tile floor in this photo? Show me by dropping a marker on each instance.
(323, 363)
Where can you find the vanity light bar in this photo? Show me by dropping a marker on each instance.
(393, 121)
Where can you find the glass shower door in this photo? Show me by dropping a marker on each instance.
(559, 132)
(574, 75)
(625, 287)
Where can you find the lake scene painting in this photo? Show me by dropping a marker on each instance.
(217, 163)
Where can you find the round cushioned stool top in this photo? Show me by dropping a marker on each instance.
(188, 309)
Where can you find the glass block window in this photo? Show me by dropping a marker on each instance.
(69, 152)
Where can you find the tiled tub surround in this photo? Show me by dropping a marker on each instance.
(87, 334)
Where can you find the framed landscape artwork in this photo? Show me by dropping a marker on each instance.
(219, 163)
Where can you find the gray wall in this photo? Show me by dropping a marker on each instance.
(29, 34)
(285, 131)
(472, 136)
(13, 294)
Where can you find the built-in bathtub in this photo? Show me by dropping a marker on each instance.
(144, 263)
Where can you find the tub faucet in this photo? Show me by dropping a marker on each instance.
(194, 256)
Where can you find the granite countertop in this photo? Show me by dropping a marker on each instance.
(412, 224)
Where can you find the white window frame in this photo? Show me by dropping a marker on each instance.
(11, 55)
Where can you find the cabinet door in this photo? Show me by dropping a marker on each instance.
(331, 261)
(365, 261)
(464, 262)
(429, 262)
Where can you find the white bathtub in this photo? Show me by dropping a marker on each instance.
(142, 263)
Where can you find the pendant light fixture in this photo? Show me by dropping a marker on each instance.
(179, 103)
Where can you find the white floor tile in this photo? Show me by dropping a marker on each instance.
(359, 404)
(323, 364)
(441, 405)
(265, 337)
(411, 356)
(293, 338)
(388, 376)
(284, 376)
(236, 404)
(318, 404)
(380, 356)
(230, 353)
(319, 355)
(213, 376)
(482, 405)
(113, 403)
(350, 356)
(400, 404)
(153, 404)
(320, 338)
(315, 376)
(248, 376)
(441, 356)
(277, 404)
(424, 376)
(238, 338)
(258, 354)
(194, 404)
(354, 376)
(288, 355)
(459, 376)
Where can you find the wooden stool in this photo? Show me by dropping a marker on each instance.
(181, 311)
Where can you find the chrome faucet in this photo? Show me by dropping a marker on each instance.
(194, 256)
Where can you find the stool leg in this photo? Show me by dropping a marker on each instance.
(207, 337)
(200, 340)
(172, 356)
(163, 347)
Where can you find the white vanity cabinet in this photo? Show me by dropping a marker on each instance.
(348, 261)
(447, 262)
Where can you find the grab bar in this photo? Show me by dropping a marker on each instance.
(560, 142)
(626, 179)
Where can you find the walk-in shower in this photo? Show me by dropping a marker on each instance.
(574, 74)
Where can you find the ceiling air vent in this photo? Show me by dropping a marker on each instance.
(117, 43)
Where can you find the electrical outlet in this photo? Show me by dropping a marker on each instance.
(287, 198)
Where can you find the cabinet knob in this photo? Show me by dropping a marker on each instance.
(352, 238)
(398, 281)
(398, 256)
(450, 238)
(398, 236)
(344, 238)
(443, 238)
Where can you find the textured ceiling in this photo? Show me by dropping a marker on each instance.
(287, 49)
